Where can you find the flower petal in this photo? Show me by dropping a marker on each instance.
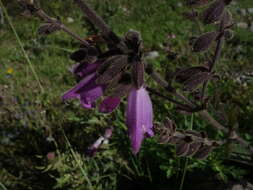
(139, 117)
(109, 104)
(86, 90)
(83, 69)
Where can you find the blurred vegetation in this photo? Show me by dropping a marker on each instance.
(43, 140)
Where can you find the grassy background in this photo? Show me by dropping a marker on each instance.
(34, 123)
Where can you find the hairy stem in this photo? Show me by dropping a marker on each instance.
(42, 15)
(97, 21)
(153, 91)
(92, 16)
(204, 114)
(215, 59)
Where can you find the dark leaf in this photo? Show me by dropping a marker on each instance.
(182, 149)
(110, 53)
(120, 85)
(111, 38)
(164, 139)
(170, 126)
(214, 12)
(88, 54)
(174, 140)
(166, 131)
(194, 147)
(122, 90)
(203, 152)
(93, 51)
(79, 55)
(184, 74)
(227, 18)
(197, 79)
(195, 133)
(111, 67)
(113, 83)
(48, 28)
(204, 41)
(138, 73)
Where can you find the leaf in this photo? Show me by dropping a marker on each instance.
(194, 147)
(204, 41)
(184, 74)
(79, 55)
(170, 126)
(88, 54)
(111, 67)
(203, 152)
(48, 28)
(197, 79)
(227, 18)
(214, 12)
(122, 90)
(182, 149)
(167, 131)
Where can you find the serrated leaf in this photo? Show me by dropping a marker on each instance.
(194, 147)
(204, 41)
(203, 152)
(111, 68)
(184, 74)
(197, 79)
(227, 18)
(121, 90)
(48, 28)
(182, 149)
(79, 55)
(214, 12)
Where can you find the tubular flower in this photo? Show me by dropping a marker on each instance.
(139, 117)
(116, 73)
(86, 90)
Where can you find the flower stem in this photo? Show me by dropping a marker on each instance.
(93, 17)
(42, 15)
(184, 173)
(203, 113)
(186, 159)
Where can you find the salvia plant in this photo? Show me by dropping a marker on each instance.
(111, 67)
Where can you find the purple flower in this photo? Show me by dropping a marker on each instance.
(86, 90)
(139, 117)
(84, 69)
